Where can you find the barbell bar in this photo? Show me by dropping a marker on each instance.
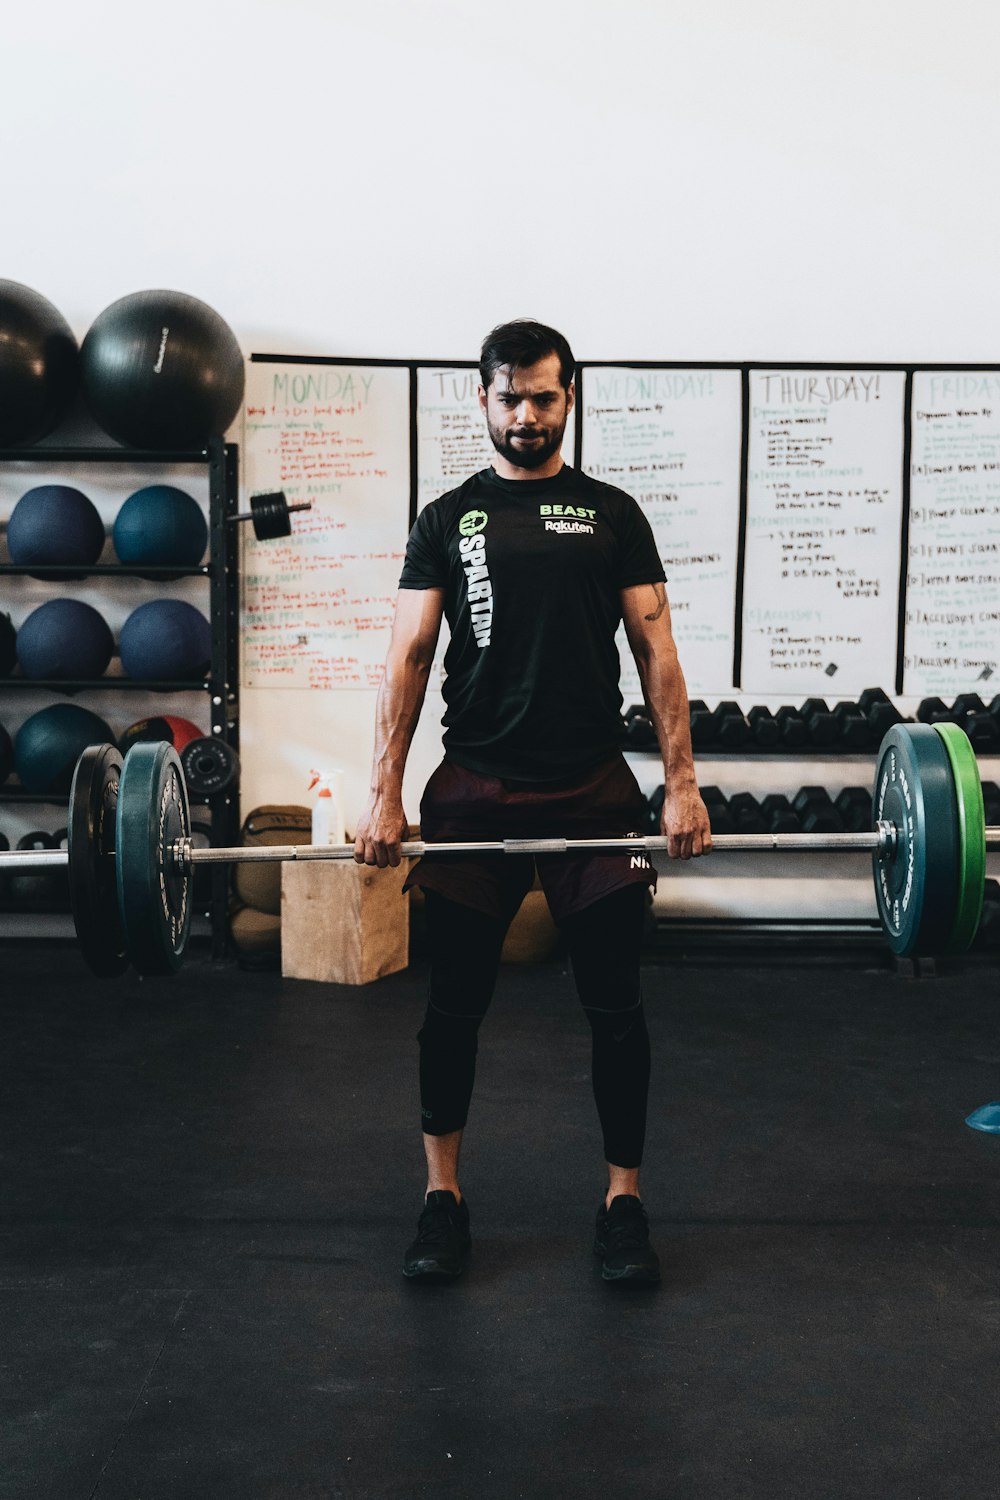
(269, 513)
(131, 859)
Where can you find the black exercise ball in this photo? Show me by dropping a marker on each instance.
(6, 755)
(161, 524)
(39, 365)
(166, 640)
(48, 745)
(162, 370)
(64, 638)
(8, 645)
(54, 523)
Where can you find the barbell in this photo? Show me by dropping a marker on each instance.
(131, 859)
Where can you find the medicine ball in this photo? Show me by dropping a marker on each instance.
(8, 645)
(162, 525)
(48, 745)
(64, 638)
(6, 755)
(176, 732)
(39, 365)
(162, 370)
(166, 640)
(54, 523)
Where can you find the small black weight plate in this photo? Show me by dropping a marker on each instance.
(93, 803)
(154, 897)
(209, 766)
(916, 886)
(270, 516)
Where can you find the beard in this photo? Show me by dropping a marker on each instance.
(527, 458)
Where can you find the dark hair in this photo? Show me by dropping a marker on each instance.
(520, 344)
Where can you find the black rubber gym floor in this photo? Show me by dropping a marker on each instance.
(209, 1183)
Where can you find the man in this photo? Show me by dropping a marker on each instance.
(534, 566)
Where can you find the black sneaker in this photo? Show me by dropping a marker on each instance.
(441, 1248)
(622, 1240)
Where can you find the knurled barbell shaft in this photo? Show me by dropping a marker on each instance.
(879, 841)
(33, 859)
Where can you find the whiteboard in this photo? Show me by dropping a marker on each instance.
(823, 537)
(317, 606)
(672, 438)
(952, 640)
(452, 439)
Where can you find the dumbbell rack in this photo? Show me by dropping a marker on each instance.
(221, 683)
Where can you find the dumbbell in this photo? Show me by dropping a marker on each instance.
(854, 804)
(934, 711)
(639, 731)
(820, 722)
(852, 726)
(717, 806)
(792, 726)
(779, 814)
(765, 730)
(816, 811)
(880, 711)
(745, 811)
(702, 725)
(730, 729)
(991, 803)
(970, 712)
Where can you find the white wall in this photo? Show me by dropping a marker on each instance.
(718, 180)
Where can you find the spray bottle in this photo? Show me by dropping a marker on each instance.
(328, 809)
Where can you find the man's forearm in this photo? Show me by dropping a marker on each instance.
(667, 699)
(397, 712)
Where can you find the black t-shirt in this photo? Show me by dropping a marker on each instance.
(531, 571)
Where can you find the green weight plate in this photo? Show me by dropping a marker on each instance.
(916, 886)
(90, 840)
(971, 836)
(154, 898)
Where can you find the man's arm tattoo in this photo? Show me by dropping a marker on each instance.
(660, 595)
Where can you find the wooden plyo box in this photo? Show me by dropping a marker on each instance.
(343, 923)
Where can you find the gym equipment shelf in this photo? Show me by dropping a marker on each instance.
(221, 572)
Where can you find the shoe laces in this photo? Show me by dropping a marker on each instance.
(628, 1228)
(435, 1225)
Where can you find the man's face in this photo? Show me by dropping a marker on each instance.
(526, 412)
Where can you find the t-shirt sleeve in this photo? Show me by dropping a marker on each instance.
(425, 565)
(638, 556)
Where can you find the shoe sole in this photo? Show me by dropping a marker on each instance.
(639, 1275)
(425, 1271)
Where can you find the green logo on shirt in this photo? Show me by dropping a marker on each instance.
(472, 522)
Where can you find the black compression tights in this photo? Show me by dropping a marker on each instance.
(604, 951)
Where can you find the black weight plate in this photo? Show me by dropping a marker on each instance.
(93, 803)
(270, 516)
(916, 887)
(209, 766)
(154, 898)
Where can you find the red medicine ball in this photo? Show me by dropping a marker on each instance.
(176, 732)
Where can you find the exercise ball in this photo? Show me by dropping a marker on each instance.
(64, 638)
(48, 745)
(6, 755)
(8, 645)
(176, 732)
(162, 370)
(39, 365)
(54, 523)
(166, 640)
(163, 525)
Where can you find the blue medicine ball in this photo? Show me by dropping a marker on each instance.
(166, 640)
(162, 525)
(64, 638)
(48, 745)
(54, 523)
(6, 755)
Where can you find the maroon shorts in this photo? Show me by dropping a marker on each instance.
(459, 804)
